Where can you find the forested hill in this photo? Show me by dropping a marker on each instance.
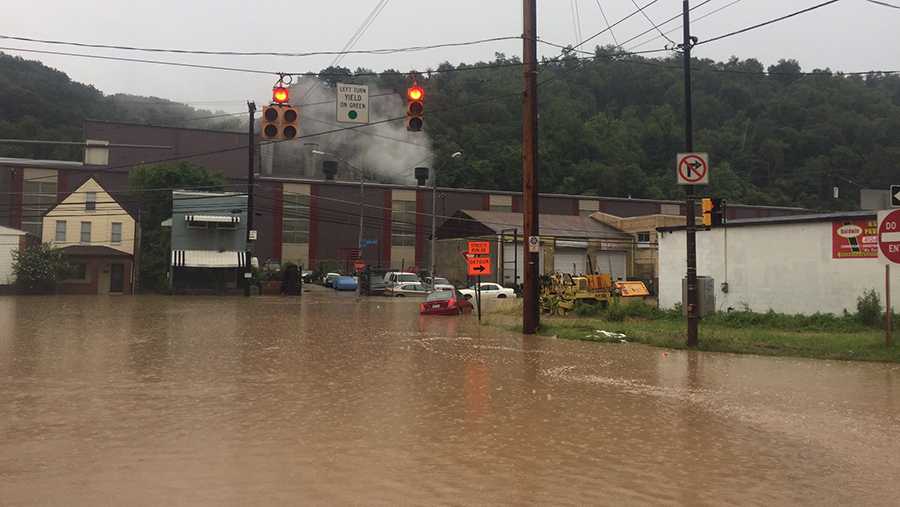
(612, 126)
(608, 126)
(37, 102)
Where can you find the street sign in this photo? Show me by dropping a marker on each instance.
(352, 103)
(889, 236)
(479, 247)
(534, 244)
(692, 168)
(895, 196)
(369, 242)
(252, 235)
(479, 266)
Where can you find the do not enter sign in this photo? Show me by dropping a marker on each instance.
(889, 236)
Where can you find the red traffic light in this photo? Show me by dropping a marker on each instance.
(415, 93)
(280, 95)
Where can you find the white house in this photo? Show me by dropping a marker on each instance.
(10, 240)
(797, 264)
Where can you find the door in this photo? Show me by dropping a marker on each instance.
(570, 260)
(116, 277)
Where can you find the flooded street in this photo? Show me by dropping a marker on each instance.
(269, 401)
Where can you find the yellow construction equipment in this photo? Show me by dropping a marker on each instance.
(561, 292)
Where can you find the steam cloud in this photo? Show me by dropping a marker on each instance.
(386, 152)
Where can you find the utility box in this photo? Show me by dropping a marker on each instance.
(706, 295)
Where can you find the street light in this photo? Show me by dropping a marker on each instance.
(454, 156)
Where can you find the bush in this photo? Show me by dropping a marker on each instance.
(39, 269)
(868, 308)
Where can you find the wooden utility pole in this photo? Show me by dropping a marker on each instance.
(690, 211)
(889, 310)
(530, 207)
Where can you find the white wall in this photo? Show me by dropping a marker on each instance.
(8, 243)
(787, 268)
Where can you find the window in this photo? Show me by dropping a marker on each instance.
(39, 195)
(488, 286)
(85, 232)
(79, 271)
(90, 201)
(116, 232)
(403, 226)
(295, 221)
(643, 237)
(60, 231)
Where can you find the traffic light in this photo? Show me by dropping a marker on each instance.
(415, 108)
(713, 212)
(280, 95)
(280, 121)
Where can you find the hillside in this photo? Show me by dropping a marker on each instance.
(613, 125)
(38, 102)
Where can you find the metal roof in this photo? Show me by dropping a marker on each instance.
(791, 219)
(567, 226)
(93, 250)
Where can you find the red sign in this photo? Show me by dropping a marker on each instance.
(479, 247)
(889, 236)
(854, 239)
(479, 266)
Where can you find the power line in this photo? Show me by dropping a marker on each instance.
(609, 28)
(708, 14)
(766, 23)
(885, 4)
(652, 24)
(666, 22)
(383, 51)
(605, 20)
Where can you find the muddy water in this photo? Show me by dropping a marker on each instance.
(225, 401)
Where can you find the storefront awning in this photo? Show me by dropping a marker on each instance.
(219, 219)
(208, 259)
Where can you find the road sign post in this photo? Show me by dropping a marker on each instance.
(889, 252)
(352, 103)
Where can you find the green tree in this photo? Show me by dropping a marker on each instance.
(152, 185)
(39, 268)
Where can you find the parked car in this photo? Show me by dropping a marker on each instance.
(393, 278)
(445, 302)
(329, 278)
(306, 275)
(436, 281)
(407, 289)
(489, 290)
(344, 283)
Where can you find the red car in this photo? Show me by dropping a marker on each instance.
(445, 302)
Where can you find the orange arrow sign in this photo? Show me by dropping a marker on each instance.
(479, 266)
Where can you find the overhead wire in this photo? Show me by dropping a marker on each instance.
(605, 20)
(693, 20)
(766, 23)
(883, 4)
(652, 23)
(666, 22)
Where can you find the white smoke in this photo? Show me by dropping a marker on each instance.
(386, 152)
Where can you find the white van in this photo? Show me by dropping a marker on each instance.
(392, 278)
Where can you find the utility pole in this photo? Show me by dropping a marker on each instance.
(359, 238)
(433, 223)
(251, 155)
(531, 318)
(692, 317)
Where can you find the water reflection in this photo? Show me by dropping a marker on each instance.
(331, 399)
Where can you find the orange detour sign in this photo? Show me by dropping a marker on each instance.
(479, 248)
(479, 266)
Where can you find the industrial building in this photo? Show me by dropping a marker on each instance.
(300, 216)
(799, 264)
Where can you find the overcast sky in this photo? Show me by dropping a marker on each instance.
(852, 35)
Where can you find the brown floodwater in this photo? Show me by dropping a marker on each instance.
(329, 400)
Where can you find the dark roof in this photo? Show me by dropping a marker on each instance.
(93, 251)
(790, 219)
(471, 223)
